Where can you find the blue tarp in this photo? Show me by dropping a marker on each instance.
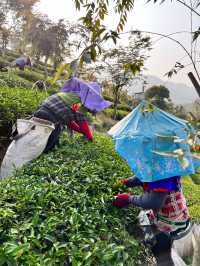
(143, 132)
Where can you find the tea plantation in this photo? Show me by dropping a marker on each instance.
(58, 210)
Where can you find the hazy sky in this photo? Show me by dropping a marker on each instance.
(166, 18)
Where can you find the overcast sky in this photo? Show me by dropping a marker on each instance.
(166, 18)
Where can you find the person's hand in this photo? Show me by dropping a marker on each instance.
(75, 107)
(132, 181)
(121, 200)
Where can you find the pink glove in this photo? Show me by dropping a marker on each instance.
(121, 200)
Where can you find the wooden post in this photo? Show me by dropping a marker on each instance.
(194, 82)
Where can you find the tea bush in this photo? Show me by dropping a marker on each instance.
(191, 192)
(14, 81)
(3, 62)
(30, 75)
(58, 211)
(125, 107)
(120, 113)
(41, 67)
(18, 103)
(10, 58)
(13, 54)
(108, 98)
(3, 84)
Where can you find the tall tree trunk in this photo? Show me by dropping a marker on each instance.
(4, 47)
(116, 101)
(46, 71)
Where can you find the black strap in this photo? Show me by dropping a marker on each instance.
(181, 232)
(19, 136)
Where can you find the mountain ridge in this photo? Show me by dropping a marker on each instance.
(179, 93)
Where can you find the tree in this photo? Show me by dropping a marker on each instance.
(61, 35)
(123, 63)
(41, 38)
(97, 10)
(4, 32)
(55, 41)
(18, 7)
(158, 96)
(93, 22)
(180, 111)
(117, 66)
(20, 13)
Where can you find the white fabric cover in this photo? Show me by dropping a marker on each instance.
(26, 148)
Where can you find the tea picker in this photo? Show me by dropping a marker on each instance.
(155, 145)
(41, 133)
(21, 62)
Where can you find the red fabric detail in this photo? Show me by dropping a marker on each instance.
(75, 107)
(81, 127)
(121, 200)
(175, 206)
(74, 126)
(160, 190)
(145, 186)
(84, 126)
(125, 182)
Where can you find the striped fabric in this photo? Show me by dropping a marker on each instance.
(175, 205)
(59, 112)
(174, 214)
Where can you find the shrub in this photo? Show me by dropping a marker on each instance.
(125, 107)
(108, 98)
(41, 67)
(195, 178)
(58, 211)
(3, 84)
(12, 53)
(9, 58)
(18, 103)
(103, 122)
(193, 200)
(120, 113)
(38, 71)
(30, 75)
(108, 111)
(13, 81)
(53, 89)
(3, 62)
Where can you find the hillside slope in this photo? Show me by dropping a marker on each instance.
(57, 210)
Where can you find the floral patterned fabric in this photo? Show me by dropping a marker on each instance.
(144, 133)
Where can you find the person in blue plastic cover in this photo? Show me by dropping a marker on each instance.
(169, 213)
(167, 223)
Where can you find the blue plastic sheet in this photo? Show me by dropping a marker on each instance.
(143, 132)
